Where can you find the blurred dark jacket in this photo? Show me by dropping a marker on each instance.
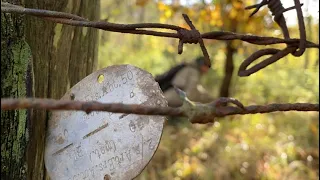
(187, 78)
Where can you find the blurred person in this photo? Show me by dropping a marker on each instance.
(185, 76)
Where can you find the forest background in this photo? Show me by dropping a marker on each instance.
(44, 59)
(281, 145)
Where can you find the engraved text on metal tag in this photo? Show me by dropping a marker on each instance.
(103, 145)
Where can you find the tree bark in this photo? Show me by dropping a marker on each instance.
(228, 71)
(16, 82)
(63, 55)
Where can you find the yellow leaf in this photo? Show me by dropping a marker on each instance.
(162, 6)
(314, 128)
(168, 13)
(233, 14)
(190, 12)
(235, 44)
(215, 15)
(240, 51)
(184, 25)
(217, 7)
(212, 22)
(162, 19)
(238, 4)
(219, 23)
(203, 13)
(141, 2)
(171, 49)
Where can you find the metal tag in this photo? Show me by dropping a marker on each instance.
(103, 145)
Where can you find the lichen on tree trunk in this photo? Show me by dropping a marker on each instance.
(15, 82)
(62, 56)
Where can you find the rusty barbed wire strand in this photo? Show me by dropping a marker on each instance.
(276, 55)
(193, 36)
(216, 35)
(277, 10)
(35, 12)
(255, 109)
(86, 106)
(89, 106)
(253, 39)
(302, 31)
(204, 111)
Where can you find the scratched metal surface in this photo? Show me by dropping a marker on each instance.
(103, 145)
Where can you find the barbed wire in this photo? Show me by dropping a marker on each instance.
(277, 10)
(217, 108)
(193, 36)
(198, 113)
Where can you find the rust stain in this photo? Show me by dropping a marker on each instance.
(60, 140)
(107, 177)
(95, 131)
(122, 116)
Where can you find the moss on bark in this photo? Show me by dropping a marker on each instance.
(15, 61)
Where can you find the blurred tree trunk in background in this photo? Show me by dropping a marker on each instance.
(229, 64)
(228, 70)
(16, 82)
(308, 24)
(308, 21)
(317, 61)
(61, 56)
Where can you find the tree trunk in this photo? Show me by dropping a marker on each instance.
(308, 21)
(228, 71)
(62, 56)
(317, 61)
(16, 82)
(230, 25)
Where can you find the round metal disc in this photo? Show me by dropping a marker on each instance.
(103, 145)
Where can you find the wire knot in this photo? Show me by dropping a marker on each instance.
(192, 36)
(189, 36)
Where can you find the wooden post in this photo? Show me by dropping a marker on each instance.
(61, 56)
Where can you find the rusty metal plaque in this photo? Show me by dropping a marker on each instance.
(103, 145)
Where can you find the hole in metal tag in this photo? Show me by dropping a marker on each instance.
(100, 78)
(103, 145)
